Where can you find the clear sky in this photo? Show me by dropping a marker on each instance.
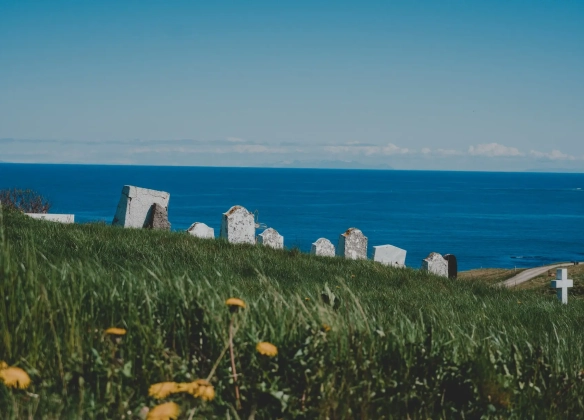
(463, 85)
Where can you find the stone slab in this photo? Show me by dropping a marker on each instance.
(201, 230)
(60, 218)
(352, 245)
(158, 218)
(452, 265)
(435, 264)
(134, 207)
(389, 255)
(270, 237)
(238, 226)
(323, 247)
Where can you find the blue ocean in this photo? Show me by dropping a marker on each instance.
(486, 219)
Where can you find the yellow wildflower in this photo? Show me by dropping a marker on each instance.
(326, 327)
(234, 304)
(267, 349)
(115, 331)
(163, 389)
(164, 411)
(201, 388)
(14, 377)
(3, 365)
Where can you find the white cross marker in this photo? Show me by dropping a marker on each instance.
(561, 283)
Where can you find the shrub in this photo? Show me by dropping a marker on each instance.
(28, 201)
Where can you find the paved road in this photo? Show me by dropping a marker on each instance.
(530, 274)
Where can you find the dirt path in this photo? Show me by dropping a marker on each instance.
(530, 274)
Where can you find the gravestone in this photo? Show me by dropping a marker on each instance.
(452, 266)
(238, 226)
(561, 284)
(323, 247)
(352, 245)
(60, 218)
(201, 230)
(270, 237)
(435, 264)
(158, 218)
(135, 206)
(389, 255)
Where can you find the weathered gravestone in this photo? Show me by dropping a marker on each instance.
(561, 284)
(201, 230)
(270, 237)
(389, 255)
(158, 218)
(435, 264)
(238, 226)
(135, 206)
(352, 245)
(323, 247)
(60, 218)
(452, 266)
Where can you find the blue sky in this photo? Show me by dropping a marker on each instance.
(489, 85)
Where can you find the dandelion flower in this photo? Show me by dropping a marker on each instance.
(326, 327)
(234, 304)
(115, 331)
(201, 388)
(164, 411)
(267, 349)
(163, 389)
(14, 377)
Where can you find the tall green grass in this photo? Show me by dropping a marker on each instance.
(402, 343)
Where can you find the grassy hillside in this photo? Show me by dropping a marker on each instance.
(355, 339)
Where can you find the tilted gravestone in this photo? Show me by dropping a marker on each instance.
(435, 264)
(60, 218)
(135, 206)
(352, 245)
(158, 218)
(270, 237)
(238, 226)
(201, 230)
(389, 255)
(323, 247)
(452, 266)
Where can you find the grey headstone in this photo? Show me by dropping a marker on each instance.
(436, 264)
(201, 230)
(352, 245)
(323, 247)
(158, 218)
(135, 206)
(389, 255)
(270, 237)
(238, 226)
(452, 266)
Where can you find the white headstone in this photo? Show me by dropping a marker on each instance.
(323, 247)
(61, 218)
(389, 255)
(135, 206)
(561, 284)
(435, 264)
(201, 230)
(270, 237)
(238, 226)
(352, 245)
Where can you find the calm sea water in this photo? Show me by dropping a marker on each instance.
(485, 219)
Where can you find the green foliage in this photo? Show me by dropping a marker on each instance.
(355, 339)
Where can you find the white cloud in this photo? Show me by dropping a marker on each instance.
(235, 140)
(368, 150)
(494, 150)
(553, 155)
